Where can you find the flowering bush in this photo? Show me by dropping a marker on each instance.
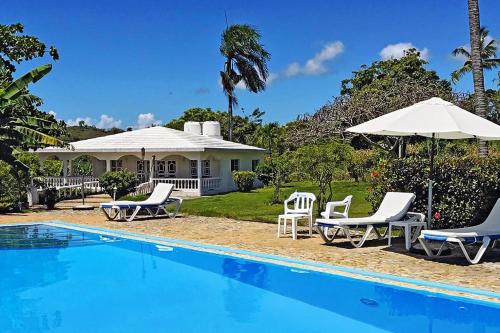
(464, 191)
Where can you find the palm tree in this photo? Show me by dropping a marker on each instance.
(477, 66)
(246, 60)
(488, 56)
(267, 136)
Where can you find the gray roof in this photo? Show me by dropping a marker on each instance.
(153, 139)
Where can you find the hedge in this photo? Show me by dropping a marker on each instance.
(464, 191)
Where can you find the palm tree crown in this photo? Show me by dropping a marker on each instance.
(489, 49)
(245, 60)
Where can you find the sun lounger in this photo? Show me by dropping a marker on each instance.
(484, 234)
(154, 205)
(394, 207)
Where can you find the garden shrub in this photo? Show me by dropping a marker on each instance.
(244, 180)
(8, 188)
(50, 195)
(52, 168)
(275, 170)
(464, 191)
(360, 164)
(125, 182)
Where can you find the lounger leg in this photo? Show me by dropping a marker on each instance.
(428, 250)
(479, 254)
(109, 213)
(136, 210)
(323, 232)
(178, 203)
(360, 243)
(294, 227)
(279, 226)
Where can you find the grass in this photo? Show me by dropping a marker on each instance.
(254, 206)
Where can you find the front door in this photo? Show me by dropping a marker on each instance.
(171, 169)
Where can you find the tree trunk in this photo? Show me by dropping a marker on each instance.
(477, 67)
(230, 115)
(230, 102)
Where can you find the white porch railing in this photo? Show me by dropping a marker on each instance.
(180, 184)
(191, 185)
(66, 187)
(210, 184)
(66, 181)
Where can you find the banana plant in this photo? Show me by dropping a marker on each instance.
(18, 129)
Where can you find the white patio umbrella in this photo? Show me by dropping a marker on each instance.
(433, 118)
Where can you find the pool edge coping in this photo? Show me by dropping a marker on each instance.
(357, 273)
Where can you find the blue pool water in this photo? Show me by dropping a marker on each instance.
(62, 280)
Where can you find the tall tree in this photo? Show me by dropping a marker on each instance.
(477, 66)
(246, 60)
(488, 52)
(16, 47)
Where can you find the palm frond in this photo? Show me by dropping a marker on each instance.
(32, 134)
(461, 51)
(457, 74)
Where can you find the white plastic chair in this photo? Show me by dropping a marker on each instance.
(330, 208)
(302, 208)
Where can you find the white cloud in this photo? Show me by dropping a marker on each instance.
(52, 113)
(108, 122)
(396, 51)
(147, 120)
(271, 77)
(74, 122)
(316, 65)
(292, 69)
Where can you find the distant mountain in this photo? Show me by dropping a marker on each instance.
(77, 133)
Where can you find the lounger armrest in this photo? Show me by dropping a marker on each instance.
(418, 217)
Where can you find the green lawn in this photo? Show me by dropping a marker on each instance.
(254, 206)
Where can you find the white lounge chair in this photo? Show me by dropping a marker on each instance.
(484, 233)
(154, 205)
(394, 207)
(303, 205)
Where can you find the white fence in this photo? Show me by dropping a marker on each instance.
(192, 185)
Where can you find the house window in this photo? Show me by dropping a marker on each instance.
(206, 168)
(255, 163)
(142, 168)
(194, 168)
(161, 169)
(235, 165)
(116, 165)
(171, 169)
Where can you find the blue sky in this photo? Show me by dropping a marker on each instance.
(132, 63)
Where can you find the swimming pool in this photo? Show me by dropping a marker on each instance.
(55, 279)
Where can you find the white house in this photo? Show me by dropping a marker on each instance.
(197, 160)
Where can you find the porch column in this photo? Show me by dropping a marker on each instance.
(108, 165)
(198, 169)
(65, 168)
(152, 168)
(70, 168)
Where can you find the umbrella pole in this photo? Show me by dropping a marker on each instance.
(431, 175)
